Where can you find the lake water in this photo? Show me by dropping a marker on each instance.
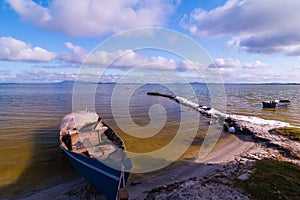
(30, 116)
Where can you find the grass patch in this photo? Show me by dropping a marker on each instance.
(290, 132)
(273, 180)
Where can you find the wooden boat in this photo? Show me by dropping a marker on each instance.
(276, 103)
(95, 151)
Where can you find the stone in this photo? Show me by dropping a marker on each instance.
(231, 130)
(244, 176)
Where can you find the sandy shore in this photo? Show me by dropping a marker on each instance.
(207, 178)
(211, 177)
(214, 161)
(224, 152)
(232, 161)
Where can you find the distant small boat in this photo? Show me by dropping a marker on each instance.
(276, 103)
(95, 151)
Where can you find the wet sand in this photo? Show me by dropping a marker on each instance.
(222, 153)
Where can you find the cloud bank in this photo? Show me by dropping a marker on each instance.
(94, 18)
(264, 26)
(12, 49)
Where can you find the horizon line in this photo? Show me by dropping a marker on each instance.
(194, 82)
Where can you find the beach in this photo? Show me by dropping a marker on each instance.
(214, 161)
(210, 177)
(198, 168)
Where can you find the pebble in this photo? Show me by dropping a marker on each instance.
(244, 177)
(231, 130)
(135, 182)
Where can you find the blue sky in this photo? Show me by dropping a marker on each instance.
(249, 41)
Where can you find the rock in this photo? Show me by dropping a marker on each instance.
(252, 156)
(231, 130)
(135, 182)
(187, 184)
(244, 176)
(150, 196)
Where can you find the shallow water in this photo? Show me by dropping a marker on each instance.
(30, 116)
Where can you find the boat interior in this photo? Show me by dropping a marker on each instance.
(94, 139)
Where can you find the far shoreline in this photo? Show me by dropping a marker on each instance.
(192, 83)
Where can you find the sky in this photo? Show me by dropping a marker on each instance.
(248, 41)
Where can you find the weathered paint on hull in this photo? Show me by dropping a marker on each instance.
(102, 177)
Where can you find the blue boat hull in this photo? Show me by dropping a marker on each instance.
(101, 176)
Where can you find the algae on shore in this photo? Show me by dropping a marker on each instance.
(292, 133)
(273, 180)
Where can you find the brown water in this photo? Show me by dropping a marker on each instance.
(30, 116)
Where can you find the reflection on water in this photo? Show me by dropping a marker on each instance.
(30, 116)
(30, 157)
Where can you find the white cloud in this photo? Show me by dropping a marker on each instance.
(259, 75)
(225, 63)
(128, 59)
(29, 11)
(94, 18)
(123, 59)
(246, 75)
(77, 54)
(256, 64)
(293, 68)
(40, 76)
(17, 50)
(264, 26)
(4, 72)
(4, 75)
(117, 58)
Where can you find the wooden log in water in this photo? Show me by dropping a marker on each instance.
(160, 94)
(204, 110)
